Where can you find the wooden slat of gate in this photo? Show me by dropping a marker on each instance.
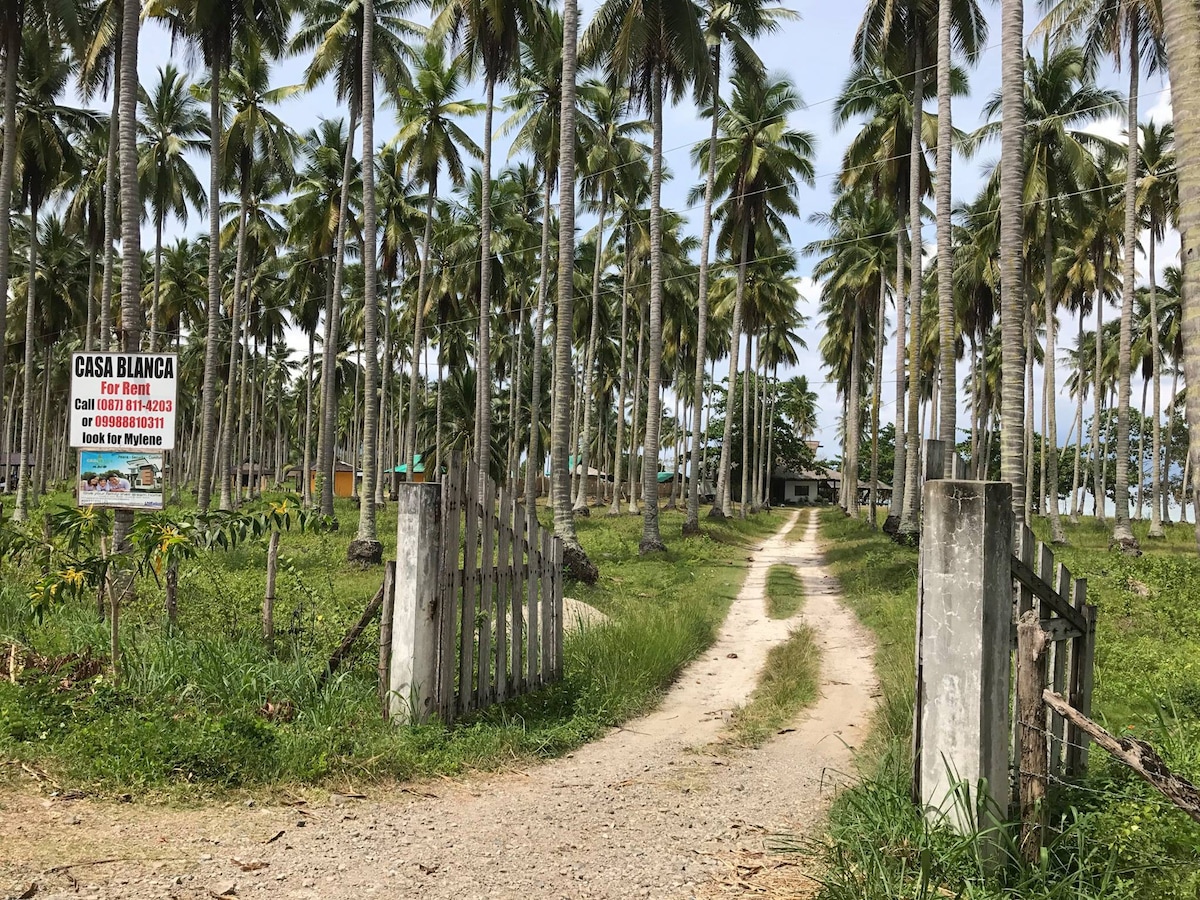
(503, 588)
(486, 689)
(531, 603)
(546, 671)
(1024, 552)
(452, 504)
(1062, 584)
(470, 597)
(1083, 651)
(558, 605)
(517, 597)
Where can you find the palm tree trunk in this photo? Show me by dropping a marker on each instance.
(230, 465)
(1030, 443)
(876, 396)
(1166, 462)
(910, 518)
(90, 328)
(1122, 532)
(533, 458)
(590, 358)
(212, 306)
(12, 55)
(410, 429)
(39, 482)
(327, 425)
(154, 301)
(900, 450)
(651, 538)
(1098, 404)
(948, 393)
(691, 524)
(21, 511)
(853, 427)
(1077, 427)
(1139, 500)
(746, 435)
(381, 455)
(1050, 438)
(1012, 303)
(722, 503)
(575, 561)
(306, 474)
(366, 548)
(483, 383)
(614, 508)
(131, 272)
(634, 476)
(1156, 486)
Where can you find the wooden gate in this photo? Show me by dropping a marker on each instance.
(499, 614)
(1069, 624)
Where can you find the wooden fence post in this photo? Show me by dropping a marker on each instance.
(385, 636)
(1031, 726)
(965, 628)
(415, 623)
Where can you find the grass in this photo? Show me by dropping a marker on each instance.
(785, 591)
(207, 709)
(1113, 837)
(788, 684)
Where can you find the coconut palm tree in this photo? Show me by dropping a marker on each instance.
(336, 34)
(256, 136)
(44, 149)
(58, 23)
(171, 124)
(216, 30)
(910, 31)
(1158, 198)
(575, 560)
(85, 210)
(490, 36)
(962, 24)
(430, 139)
(1061, 98)
(727, 26)
(761, 163)
(1132, 32)
(655, 48)
(879, 157)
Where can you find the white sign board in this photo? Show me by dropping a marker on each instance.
(123, 401)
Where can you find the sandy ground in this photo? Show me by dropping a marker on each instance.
(654, 809)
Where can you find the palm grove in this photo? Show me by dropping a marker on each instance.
(447, 301)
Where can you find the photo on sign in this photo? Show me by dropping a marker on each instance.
(120, 480)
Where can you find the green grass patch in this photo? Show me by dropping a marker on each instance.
(785, 591)
(208, 708)
(787, 686)
(1112, 836)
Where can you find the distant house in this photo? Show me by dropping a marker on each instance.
(343, 478)
(262, 473)
(418, 476)
(789, 488)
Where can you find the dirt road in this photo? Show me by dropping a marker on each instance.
(651, 810)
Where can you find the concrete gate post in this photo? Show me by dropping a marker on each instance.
(412, 682)
(965, 634)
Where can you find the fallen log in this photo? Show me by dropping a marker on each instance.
(1138, 755)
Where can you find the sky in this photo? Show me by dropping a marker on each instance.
(815, 53)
